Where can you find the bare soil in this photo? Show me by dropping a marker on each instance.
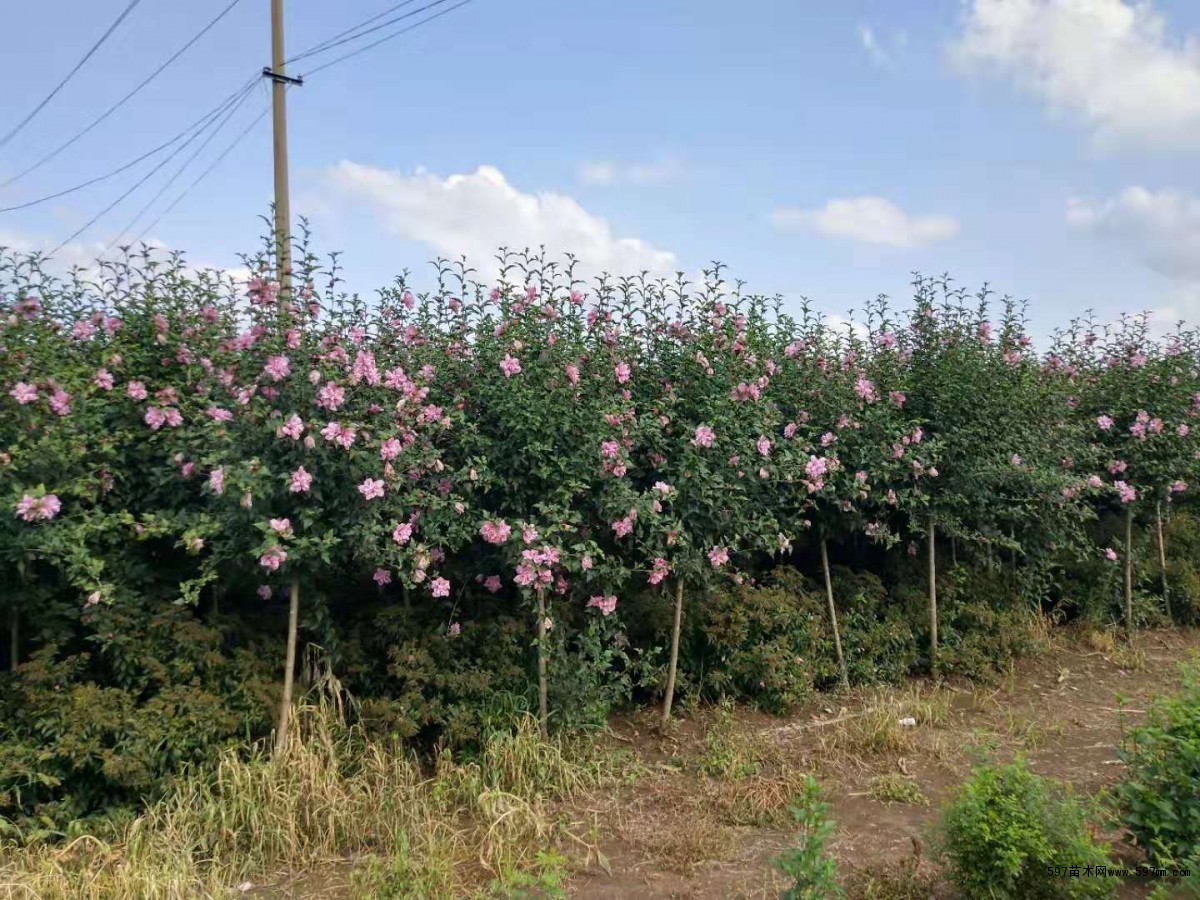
(687, 829)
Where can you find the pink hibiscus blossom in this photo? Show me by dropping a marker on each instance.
(496, 532)
(301, 481)
(371, 488)
(33, 509)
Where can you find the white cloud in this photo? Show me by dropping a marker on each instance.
(1163, 227)
(869, 220)
(607, 172)
(866, 36)
(476, 214)
(1111, 62)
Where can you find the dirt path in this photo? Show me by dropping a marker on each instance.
(710, 811)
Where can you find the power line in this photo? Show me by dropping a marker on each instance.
(388, 37)
(330, 44)
(79, 65)
(129, 96)
(133, 162)
(137, 184)
(216, 162)
(325, 44)
(167, 184)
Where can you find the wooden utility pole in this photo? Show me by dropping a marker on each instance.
(283, 263)
(283, 206)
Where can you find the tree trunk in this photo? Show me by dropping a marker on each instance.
(289, 672)
(1162, 558)
(933, 617)
(953, 551)
(14, 640)
(543, 683)
(669, 696)
(837, 638)
(1129, 572)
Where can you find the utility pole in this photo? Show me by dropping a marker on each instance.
(283, 206)
(283, 260)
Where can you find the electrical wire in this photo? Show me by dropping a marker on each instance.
(133, 162)
(137, 184)
(129, 96)
(388, 37)
(324, 45)
(79, 65)
(167, 184)
(331, 43)
(216, 162)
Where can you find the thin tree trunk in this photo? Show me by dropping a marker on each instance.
(1012, 536)
(1129, 572)
(543, 683)
(933, 617)
(1162, 557)
(669, 697)
(289, 672)
(14, 640)
(837, 638)
(953, 551)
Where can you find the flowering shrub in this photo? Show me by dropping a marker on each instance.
(588, 464)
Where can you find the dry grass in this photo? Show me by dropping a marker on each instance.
(330, 796)
(896, 788)
(876, 729)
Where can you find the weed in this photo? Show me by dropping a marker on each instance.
(894, 788)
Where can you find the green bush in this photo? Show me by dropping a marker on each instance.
(1159, 800)
(1007, 830)
(766, 644)
(812, 873)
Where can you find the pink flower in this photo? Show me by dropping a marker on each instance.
(402, 533)
(216, 481)
(606, 605)
(1182, 430)
(282, 526)
(1016, 461)
(704, 436)
(293, 428)
(572, 373)
(493, 584)
(816, 467)
(104, 380)
(382, 577)
(660, 571)
(439, 587)
(217, 414)
(585, 563)
(23, 393)
(371, 488)
(155, 418)
(623, 527)
(663, 488)
(278, 368)
(390, 449)
(529, 534)
(454, 630)
(887, 340)
(622, 372)
(789, 430)
(301, 481)
(1116, 467)
(273, 559)
(331, 396)
(60, 402)
(264, 591)
(718, 556)
(510, 365)
(897, 397)
(135, 390)
(32, 509)
(864, 389)
(173, 417)
(764, 445)
(610, 449)
(1177, 487)
(1094, 481)
(1110, 554)
(496, 532)
(1125, 491)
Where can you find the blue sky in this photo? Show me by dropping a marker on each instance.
(1046, 146)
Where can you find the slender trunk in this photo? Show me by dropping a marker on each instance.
(543, 684)
(1162, 558)
(14, 639)
(933, 617)
(289, 671)
(837, 638)
(669, 697)
(989, 555)
(1129, 572)
(1012, 536)
(954, 551)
